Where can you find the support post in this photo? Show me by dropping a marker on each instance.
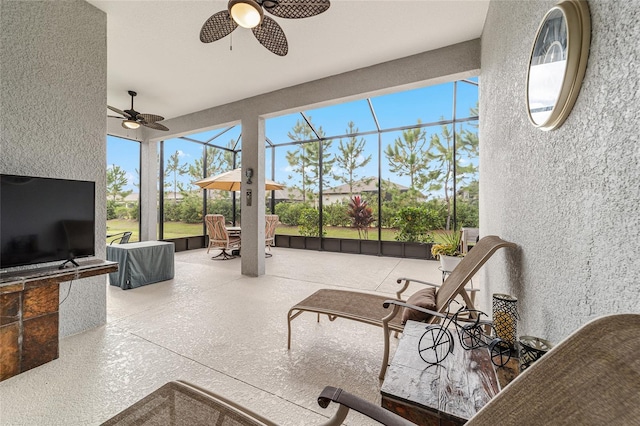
(252, 196)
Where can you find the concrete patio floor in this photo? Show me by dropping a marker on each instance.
(216, 328)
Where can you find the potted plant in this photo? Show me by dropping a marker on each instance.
(447, 249)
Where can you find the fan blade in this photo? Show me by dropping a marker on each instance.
(217, 26)
(156, 126)
(150, 118)
(116, 110)
(271, 36)
(295, 9)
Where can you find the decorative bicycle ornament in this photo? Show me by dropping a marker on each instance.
(437, 342)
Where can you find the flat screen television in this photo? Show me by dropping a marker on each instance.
(45, 220)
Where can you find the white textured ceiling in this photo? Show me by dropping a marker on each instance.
(154, 48)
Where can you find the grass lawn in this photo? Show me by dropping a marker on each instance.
(116, 226)
(180, 229)
(341, 232)
(171, 229)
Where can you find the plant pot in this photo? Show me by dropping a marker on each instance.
(448, 263)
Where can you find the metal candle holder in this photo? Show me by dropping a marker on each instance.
(505, 318)
(531, 349)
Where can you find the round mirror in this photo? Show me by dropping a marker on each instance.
(557, 63)
(547, 67)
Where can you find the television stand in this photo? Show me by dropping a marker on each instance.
(29, 300)
(64, 265)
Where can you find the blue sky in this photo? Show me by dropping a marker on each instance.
(428, 104)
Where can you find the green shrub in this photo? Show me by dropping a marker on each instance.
(414, 224)
(289, 213)
(190, 209)
(388, 216)
(392, 202)
(111, 209)
(122, 212)
(171, 211)
(134, 211)
(308, 222)
(467, 214)
(282, 210)
(223, 207)
(337, 214)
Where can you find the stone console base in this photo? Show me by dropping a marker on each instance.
(29, 302)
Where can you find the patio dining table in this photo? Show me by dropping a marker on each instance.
(234, 231)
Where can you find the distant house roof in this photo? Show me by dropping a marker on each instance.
(134, 196)
(170, 195)
(367, 184)
(287, 194)
(131, 198)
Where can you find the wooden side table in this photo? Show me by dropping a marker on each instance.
(449, 393)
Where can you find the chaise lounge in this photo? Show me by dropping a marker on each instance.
(368, 308)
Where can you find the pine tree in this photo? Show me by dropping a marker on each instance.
(305, 159)
(441, 155)
(116, 180)
(408, 156)
(351, 158)
(174, 166)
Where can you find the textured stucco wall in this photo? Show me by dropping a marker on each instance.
(570, 198)
(52, 116)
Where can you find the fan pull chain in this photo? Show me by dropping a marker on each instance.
(230, 41)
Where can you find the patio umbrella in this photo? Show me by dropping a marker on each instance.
(231, 181)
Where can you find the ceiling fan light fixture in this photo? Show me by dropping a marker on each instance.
(130, 124)
(246, 13)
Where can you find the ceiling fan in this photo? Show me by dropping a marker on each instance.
(132, 119)
(250, 14)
